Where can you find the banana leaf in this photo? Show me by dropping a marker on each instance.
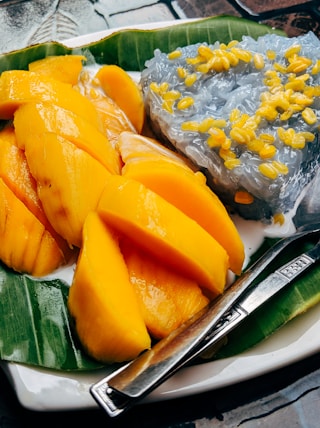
(34, 323)
(35, 327)
(289, 303)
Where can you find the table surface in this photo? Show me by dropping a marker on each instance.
(289, 397)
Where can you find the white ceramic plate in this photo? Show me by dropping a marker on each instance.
(45, 390)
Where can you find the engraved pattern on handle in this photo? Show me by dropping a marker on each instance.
(294, 268)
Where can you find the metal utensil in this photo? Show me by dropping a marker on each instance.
(121, 389)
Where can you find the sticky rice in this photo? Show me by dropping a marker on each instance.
(246, 113)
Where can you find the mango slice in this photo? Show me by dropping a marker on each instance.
(26, 246)
(38, 118)
(187, 190)
(20, 86)
(65, 68)
(69, 182)
(15, 172)
(113, 120)
(135, 148)
(119, 86)
(167, 298)
(166, 232)
(102, 300)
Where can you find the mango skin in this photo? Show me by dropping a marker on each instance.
(102, 300)
(166, 232)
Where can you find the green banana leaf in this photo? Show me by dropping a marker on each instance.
(35, 327)
(289, 303)
(34, 323)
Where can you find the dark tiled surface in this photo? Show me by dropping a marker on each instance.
(292, 16)
(24, 22)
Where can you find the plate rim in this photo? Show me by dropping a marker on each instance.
(21, 376)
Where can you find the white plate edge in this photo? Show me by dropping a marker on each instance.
(25, 379)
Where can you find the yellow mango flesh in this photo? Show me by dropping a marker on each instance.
(119, 86)
(187, 190)
(183, 189)
(113, 120)
(19, 86)
(167, 298)
(165, 231)
(135, 148)
(69, 182)
(36, 118)
(65, 68)
(26, 246)
(15, 172)
(102, 300)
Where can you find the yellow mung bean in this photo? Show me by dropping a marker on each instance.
(299, 65)
(182, 72)
(171, 95)
(280, 167)
(293, 50)
(168, 106)
(267, 151)
(185, 102)
(255, 145)
(258, 61)
(309, 116)
(316, 68)
(268, 170)
(206, 124)
(226, 154)
(190, 79)
(192, 126)
(232, 163)
(242, 54)
(174, 54)
(271, 55)
(298, 142)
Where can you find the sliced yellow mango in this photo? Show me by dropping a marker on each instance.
(19, 86)
(166, 232)
(15, 172)
(119, 86)
(113, 120)
(135, 148)
(102, 300)
(65, 68)
(69, 182)
(170, 178)
(26, 246)
(36, 118)
(167, 298)
(181, 188)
